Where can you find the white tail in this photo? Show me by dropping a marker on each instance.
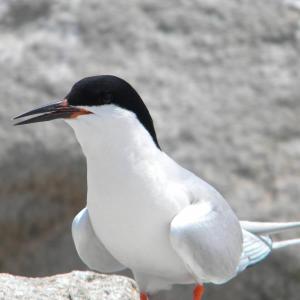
(286, 243)
(267, 227)
(257, 243)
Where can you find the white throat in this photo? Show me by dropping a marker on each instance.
(115, 144)
(111, 131)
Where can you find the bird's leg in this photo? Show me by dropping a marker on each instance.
(143, 296)
(198, 292)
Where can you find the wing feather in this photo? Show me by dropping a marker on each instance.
(255, 249)
(90, 249)
(209, 241)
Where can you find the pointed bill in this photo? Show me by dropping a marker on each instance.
(59, 110)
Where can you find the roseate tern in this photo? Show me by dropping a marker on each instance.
(144, 211)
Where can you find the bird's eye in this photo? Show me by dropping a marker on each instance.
(106, 98)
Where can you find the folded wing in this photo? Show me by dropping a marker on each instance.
(90, 249)
(255, 249)
(209, 241)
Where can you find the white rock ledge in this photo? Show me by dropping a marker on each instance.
(76, 285)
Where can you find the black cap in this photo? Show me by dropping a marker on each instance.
(108, 89)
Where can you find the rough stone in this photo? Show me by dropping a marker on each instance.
(72, 286)
(221, 79)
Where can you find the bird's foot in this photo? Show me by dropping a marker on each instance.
(143, 296)
(198, 292)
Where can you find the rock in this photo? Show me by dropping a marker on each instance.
(221, 79)
(75, 285)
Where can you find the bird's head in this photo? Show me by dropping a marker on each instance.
(88, 97)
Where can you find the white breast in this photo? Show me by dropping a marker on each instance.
(132, 196)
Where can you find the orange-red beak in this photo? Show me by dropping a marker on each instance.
(59, 110)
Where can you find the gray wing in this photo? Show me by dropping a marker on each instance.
(255, 249)
(90, 249)
(208, 239)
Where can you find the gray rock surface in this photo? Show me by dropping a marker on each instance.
(72, 286)
(221, 79)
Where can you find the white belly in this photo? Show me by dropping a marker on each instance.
(133, 222)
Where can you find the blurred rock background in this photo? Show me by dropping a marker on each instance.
(222, 81)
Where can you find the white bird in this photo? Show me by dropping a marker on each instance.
(144, 211)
